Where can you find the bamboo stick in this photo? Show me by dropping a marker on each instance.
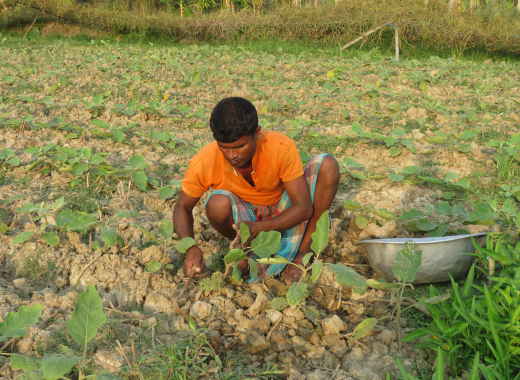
(396, 40)
(366, 34)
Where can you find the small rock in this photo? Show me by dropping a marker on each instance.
(333, 325)
(19, 283)
(387, 336)
(256, 342)
(244, 300)
(294, 313)
(156, 302)
(108, 360)
(200, 310)
(274, 316)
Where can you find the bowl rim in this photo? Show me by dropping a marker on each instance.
(421, 240)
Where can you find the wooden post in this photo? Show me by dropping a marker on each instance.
(396, 41)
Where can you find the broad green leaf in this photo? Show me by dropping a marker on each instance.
(56, 366)
(51, 238)
(279, 303)
(118, 135)
(364, 328)
(234, 256)
(384, 213)
(137, 162)
(15, 323)
(361, 221)
(245, 234)
(166, 228)
(273, 260)
(25, 363)
(425, 225)
(348, 277)
(152, 266)
(482, 214)
(352, 205)
(166, 192)
(110, 237)
(76, 221)
(87, 318)
(381, 285)
(267, 243)
(307, 258)
(297, 293)
(140, 180)
(316, 268)
(406, 264)
(22, 237)
(184, 244)
(320, 237)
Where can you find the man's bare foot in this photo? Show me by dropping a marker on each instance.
(193, 262)
(291, 273)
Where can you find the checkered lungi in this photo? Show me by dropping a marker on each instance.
(291, 238)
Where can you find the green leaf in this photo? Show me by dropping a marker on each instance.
(166, 192)
(439, 365)
(361, 221)
(348, 277)
(273, 260)
(297, 293)
(140, 180)
(253, 268)
(110, 237)
(184, 244)
(234, 256)
(279, 303)
(76, 221)
(166, 228)
(51, 238)
(236, 274)
(137, 162)
(381, 285)
(87, 318)
(245, 234)
(15, 323)
(352, 205)
(482, 214)
(25, 363)
(475, 373)
(22, 237)
(307, 258)
(118, 135)
(320, 237)
(364, 328)
(394, 177)
(425, 225)
(316, 268)
(267, 243)
(79, 168)
(394, 151)
(56, 366)
(152, 266)
(407, 263)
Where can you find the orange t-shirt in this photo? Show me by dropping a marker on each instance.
(276, 160)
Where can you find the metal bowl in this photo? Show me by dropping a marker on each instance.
(441, 256)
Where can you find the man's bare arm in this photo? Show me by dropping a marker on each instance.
(300, 209)
(183, 224)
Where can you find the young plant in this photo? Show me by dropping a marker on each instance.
(87, 318)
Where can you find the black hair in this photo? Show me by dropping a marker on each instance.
(233, 118)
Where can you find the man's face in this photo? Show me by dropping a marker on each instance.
(239, 153)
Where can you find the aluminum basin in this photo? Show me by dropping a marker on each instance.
(441, 256)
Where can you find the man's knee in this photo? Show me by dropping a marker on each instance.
(218, 208)
(329, 170)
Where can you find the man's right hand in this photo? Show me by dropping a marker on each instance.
(193, 262)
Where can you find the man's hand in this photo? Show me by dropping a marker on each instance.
(193, 262)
